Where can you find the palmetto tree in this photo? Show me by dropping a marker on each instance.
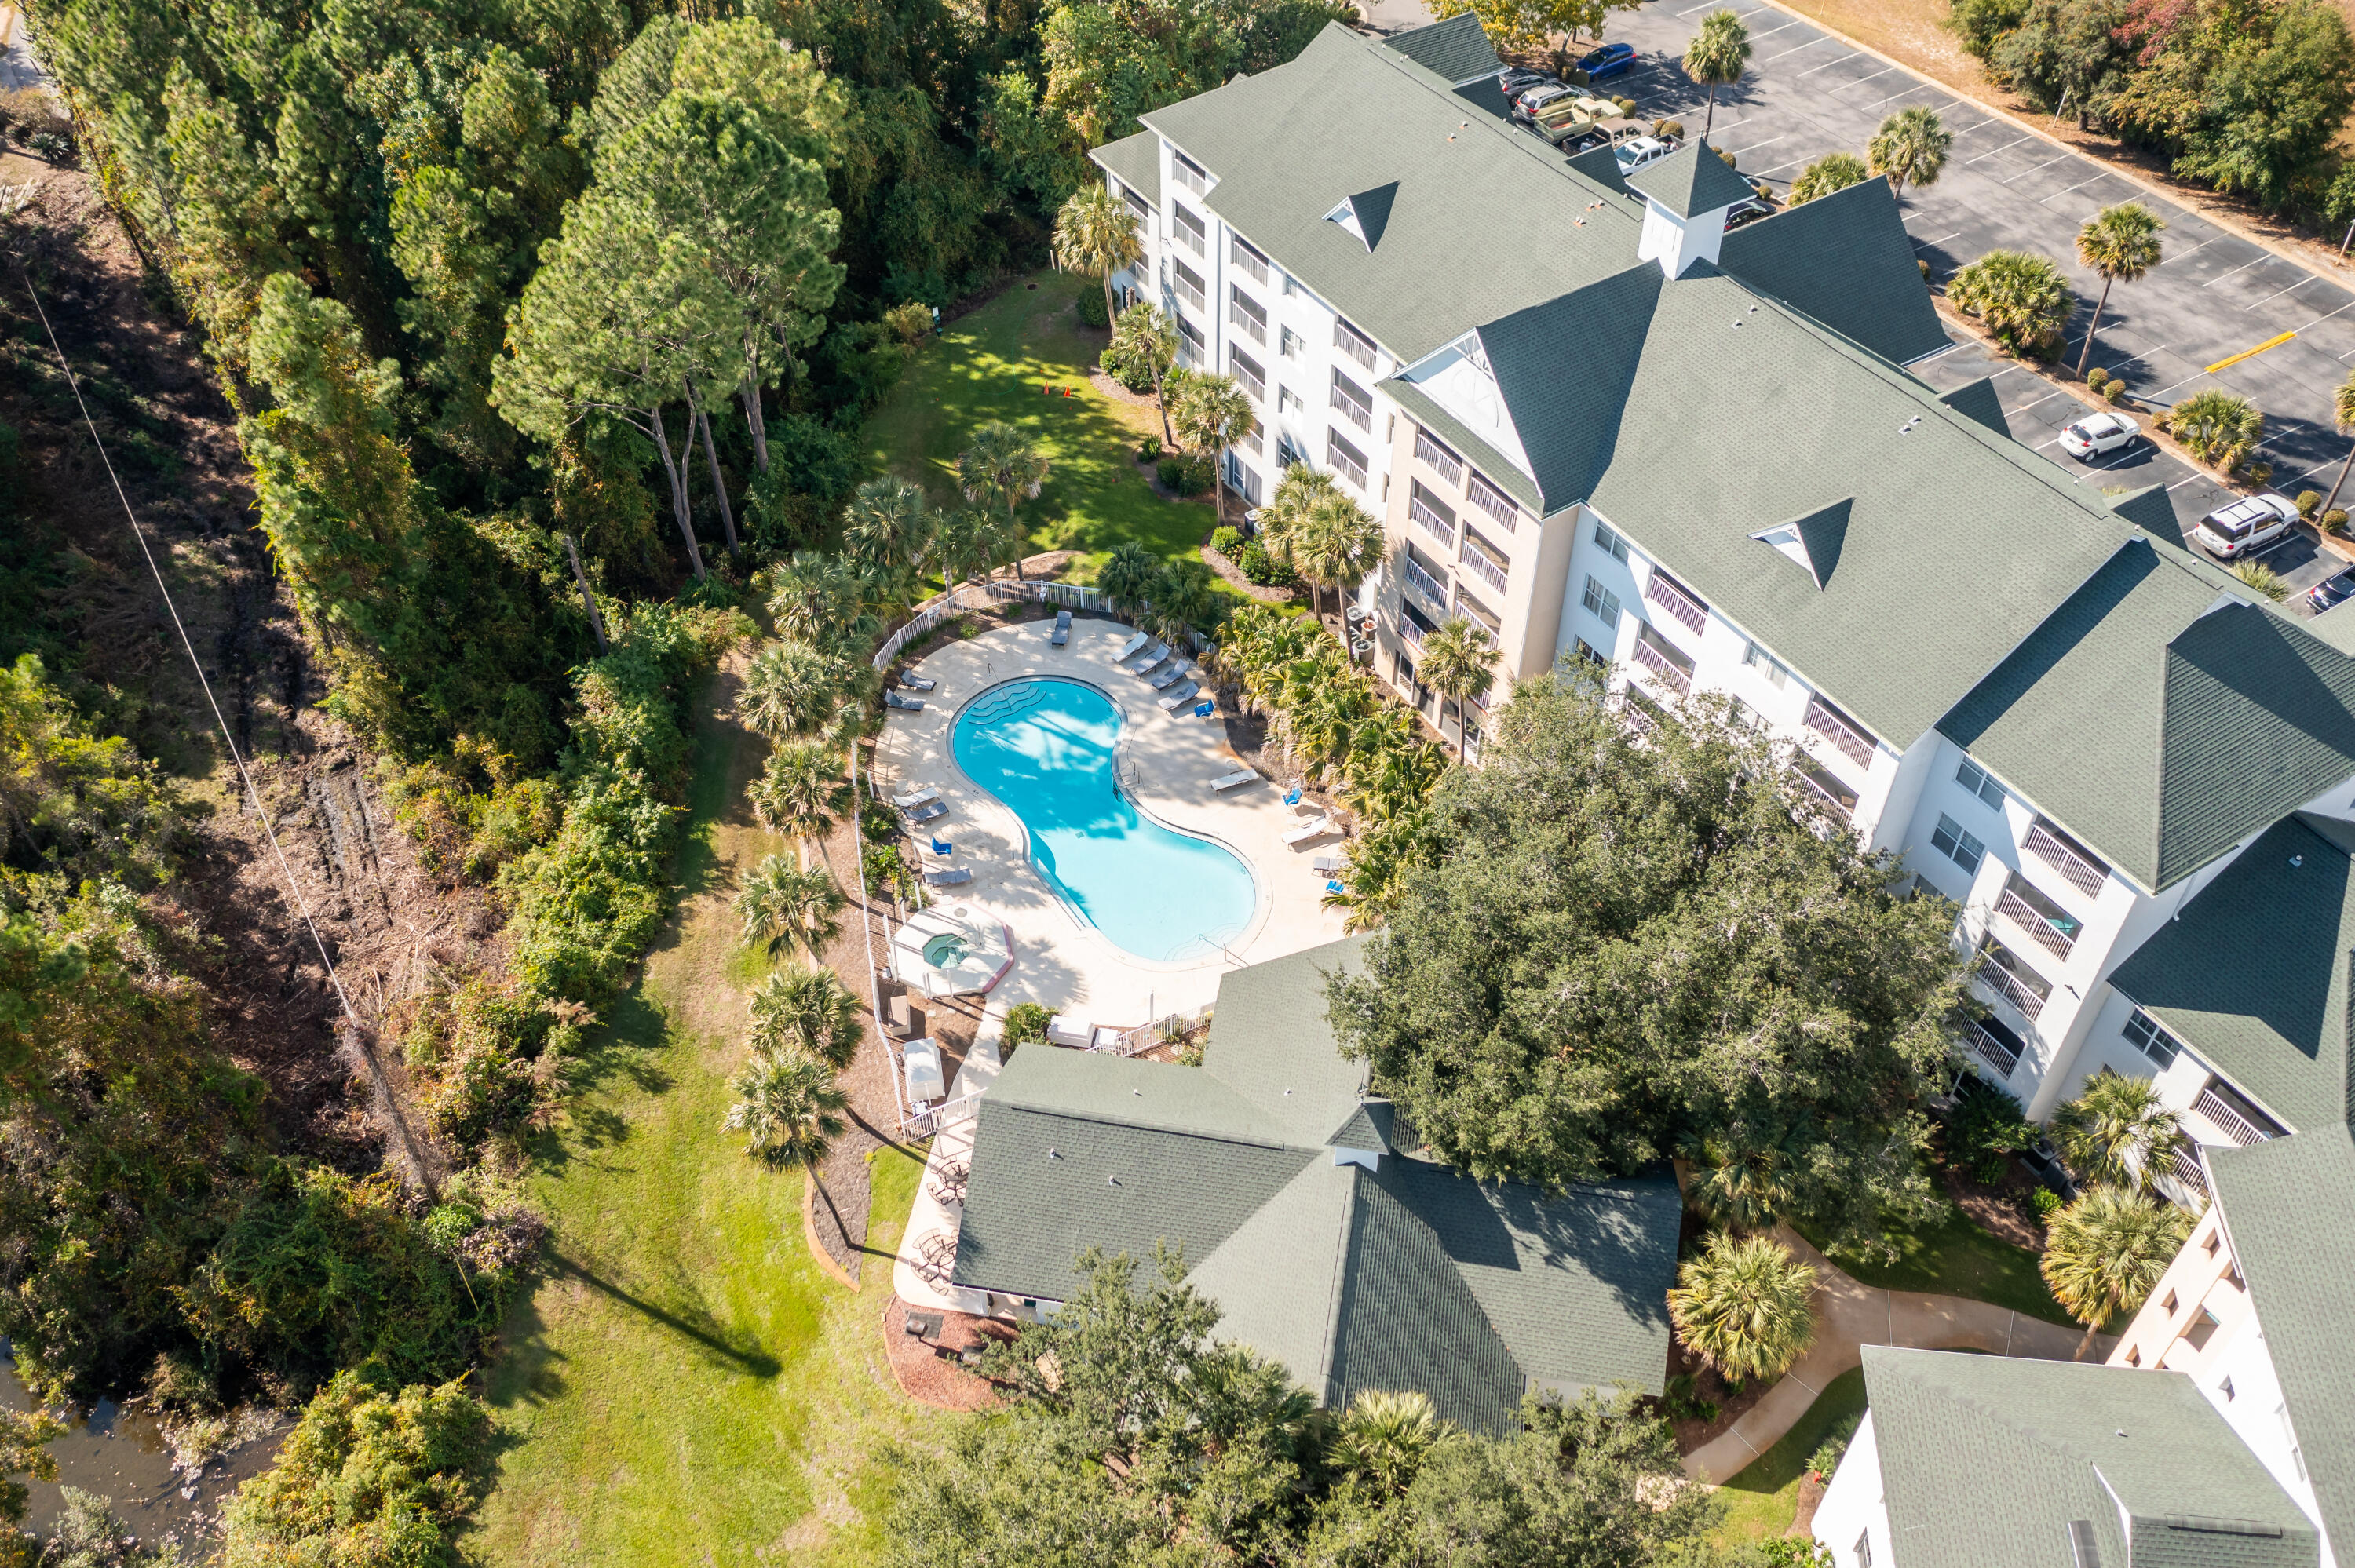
(2218, 426)
(1832, 172)
(2118, 1132)
(1145, 342)
(1385, 1436)
(1743, 1176)
(805, 1010)
(782, 905)
(1003, 463)
(1458, 663)
(1716, 57)
(1297, 491)
(800, 790)
(789, 1109)
(1129, 577)
(1911, 148)
(1380, 859)
(1743, 1306)
(2342, 414)
(2119, 242)
(2104, 1252)
(1095, 233)
(1336, 543)
(824, 597)
(884, 526)
(791, 688)
(2024, 298)
(1215, 414)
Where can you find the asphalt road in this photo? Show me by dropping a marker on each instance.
(2215, 294)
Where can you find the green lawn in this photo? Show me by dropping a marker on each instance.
(1763, 1500)
(989, 366)
(1957, 1257)
(686, 1387)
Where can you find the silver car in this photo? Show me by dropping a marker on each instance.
(2249, 524)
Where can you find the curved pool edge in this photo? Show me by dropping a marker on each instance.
(1263, 894)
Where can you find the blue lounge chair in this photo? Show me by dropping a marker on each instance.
(1205, 709)
(905, 705)
(1292, 796)
(1335, 887)
(1062, 628)
(942, 848)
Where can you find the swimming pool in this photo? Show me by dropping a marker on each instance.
(1045, 747)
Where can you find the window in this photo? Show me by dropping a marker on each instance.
(1245, 482)
(1949, 840)
(1254, 440)
(1480, 613)
(1287, 401)
(1443, 463)
(1247, 313)
(1854, 741)
(2215, 1238)
(2133, 1355)
(1189, 173)
(1587, 655)
(1864, 1550)
(1353, 401)
(1495, 503)
(1247, 371)
(2171, 1305)
(1291, 284)
(1609, 540)
(1346, 459)
(1438, 518)
(1290, 453)
(1679, 600)
(1413, 624)
(1353, 342)
(1973, 778)
(1768, 666)
(2225, 1388)
(1190, 287)
(2201, 1328)
(1423, 575)
(1246, 257)
(1816, 781)
(1191, 231)
(1485, 560)
(1287, 343)
(2150, 1037)
(1602, 603)
(2290, 1432)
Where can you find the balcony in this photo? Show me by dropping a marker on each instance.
(1189, 173)
(1673, 597)
(2007, 974)
(2184, 1166)
(1819, 785)
(2025, 906)
(1849, 737)
(1421, 579)
(1246, 315)
(1484, 560)
(2239, 1120)
(2077, 865)
(1437, 518)
(1653, 651)
(1353, 342)
(1991, 1043)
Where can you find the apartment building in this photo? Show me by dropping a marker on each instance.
(1602, 426)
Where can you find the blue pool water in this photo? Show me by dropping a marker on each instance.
(1045, 748)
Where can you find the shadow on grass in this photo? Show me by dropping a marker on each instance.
(692, 1321)
(1956, 1256)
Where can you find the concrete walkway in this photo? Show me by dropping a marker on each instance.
(1849, 1316)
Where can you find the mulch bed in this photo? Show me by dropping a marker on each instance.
(1731, 1406)
(1232, 575)
(930, 1377)
(2006, 1210)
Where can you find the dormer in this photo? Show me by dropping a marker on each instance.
(1687, 196)
(1365, 215)
(1364, 1136)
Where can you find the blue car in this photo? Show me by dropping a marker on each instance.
(1608, 61)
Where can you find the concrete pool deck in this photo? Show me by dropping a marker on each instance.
(1166, 762)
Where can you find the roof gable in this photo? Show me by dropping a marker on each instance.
(1135, 162)
(1813, 539)
(1979, 401)
(1457, 49)
(1272, 1048)
(1563, 369)
(1690, 181)
(1844, 260)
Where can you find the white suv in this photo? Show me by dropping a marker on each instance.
(1637, 151)
(2247, 524)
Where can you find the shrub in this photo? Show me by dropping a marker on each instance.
(1728, 157)
(1683, 1401)
(2047, 1203)
(1227, 540)
(2335, 520)
(1092, 309)
(1832, 172)
(1979, 23)
(1985, 1129)
(1664, 128)
(2307, 500)
(1831, 1451)
(1626, 106)
(1149, 449)
(2096, 378)
(2023, 299)
(878, 824)
(1025, 1022)
(2264, 579)
(1265, 569)
(2115, 392)
(1184, 475)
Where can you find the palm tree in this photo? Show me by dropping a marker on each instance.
(1385, 1436)
(1832, 172)
(1716, 57)
(824, 597)
(2104, 1252)
(1095, 232)
(791, 688)
(2024, 298)
(1742, 1178)
(807, 1011)
(1337, 544)
(1215, 414)
(1911, 148)
(1004, 463)
(2118, 1132)
(1297, 489)
(1743, 1306)
(782, 905)
(1380, 859)
(1458, 663)
(2118, 242)
(1129, 577)
(799, 791)
(2218, 426)
(2264, 578)
(1145, 342)
(1183, 600)
(883, 527)
(2342, 414)
(789, 1109)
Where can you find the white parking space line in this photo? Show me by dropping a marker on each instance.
(2015, 141)
(2033, 167)
(2277, 293)
(2317, 321)
(1731, 123)
(1940, 240)
(1859, 81)
(2001, 374)
(1770, 141)
(2081, 184)
(1810, 43)
(2181, 483)
(2236, 271)
(2024, 407)
(1812, 69)
(2182, 254)
(1895, 96)
(1772, 31)
(1981, 125)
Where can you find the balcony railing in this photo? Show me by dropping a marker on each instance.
(2078, 869)
(1423, 583)
(2012, 908)
(1653, 657)
(1670, 596)
(1843, 732)
(2236, 1125)
(1984, 1044)
(2184, 1166)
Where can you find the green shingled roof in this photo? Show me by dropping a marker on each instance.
(1979, 400)
(1843, 260)
(1457, 49)
(2289, 1213)
(1692, 179)
(1986, 1461)
(1135, 161)
(2253, 972)
(1403, 1277)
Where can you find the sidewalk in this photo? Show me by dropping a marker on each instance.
(934, 1216)
(1849, 1316)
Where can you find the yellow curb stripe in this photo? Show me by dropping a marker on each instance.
(2250, 353)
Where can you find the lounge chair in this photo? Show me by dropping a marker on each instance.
(905, 705)
(1331, 886)
(1129, 648)
(1062, 628)
(942, 848)
(1325, 865)
(949, 875)
(1177, 671)
(1150, 657)
(927, 811)
(1235, 781)
(916, 796)
(1292, 796)
(915, 683)
(1306, 831)
(1179, 698)
(1205, 708)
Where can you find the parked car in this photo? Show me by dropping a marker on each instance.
(2097, 433)
(1516, 80)
(1608, 61)
(1748, 211)
(1637, 151)
(2247, 524)
(1538, 97)
(2332, 590)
